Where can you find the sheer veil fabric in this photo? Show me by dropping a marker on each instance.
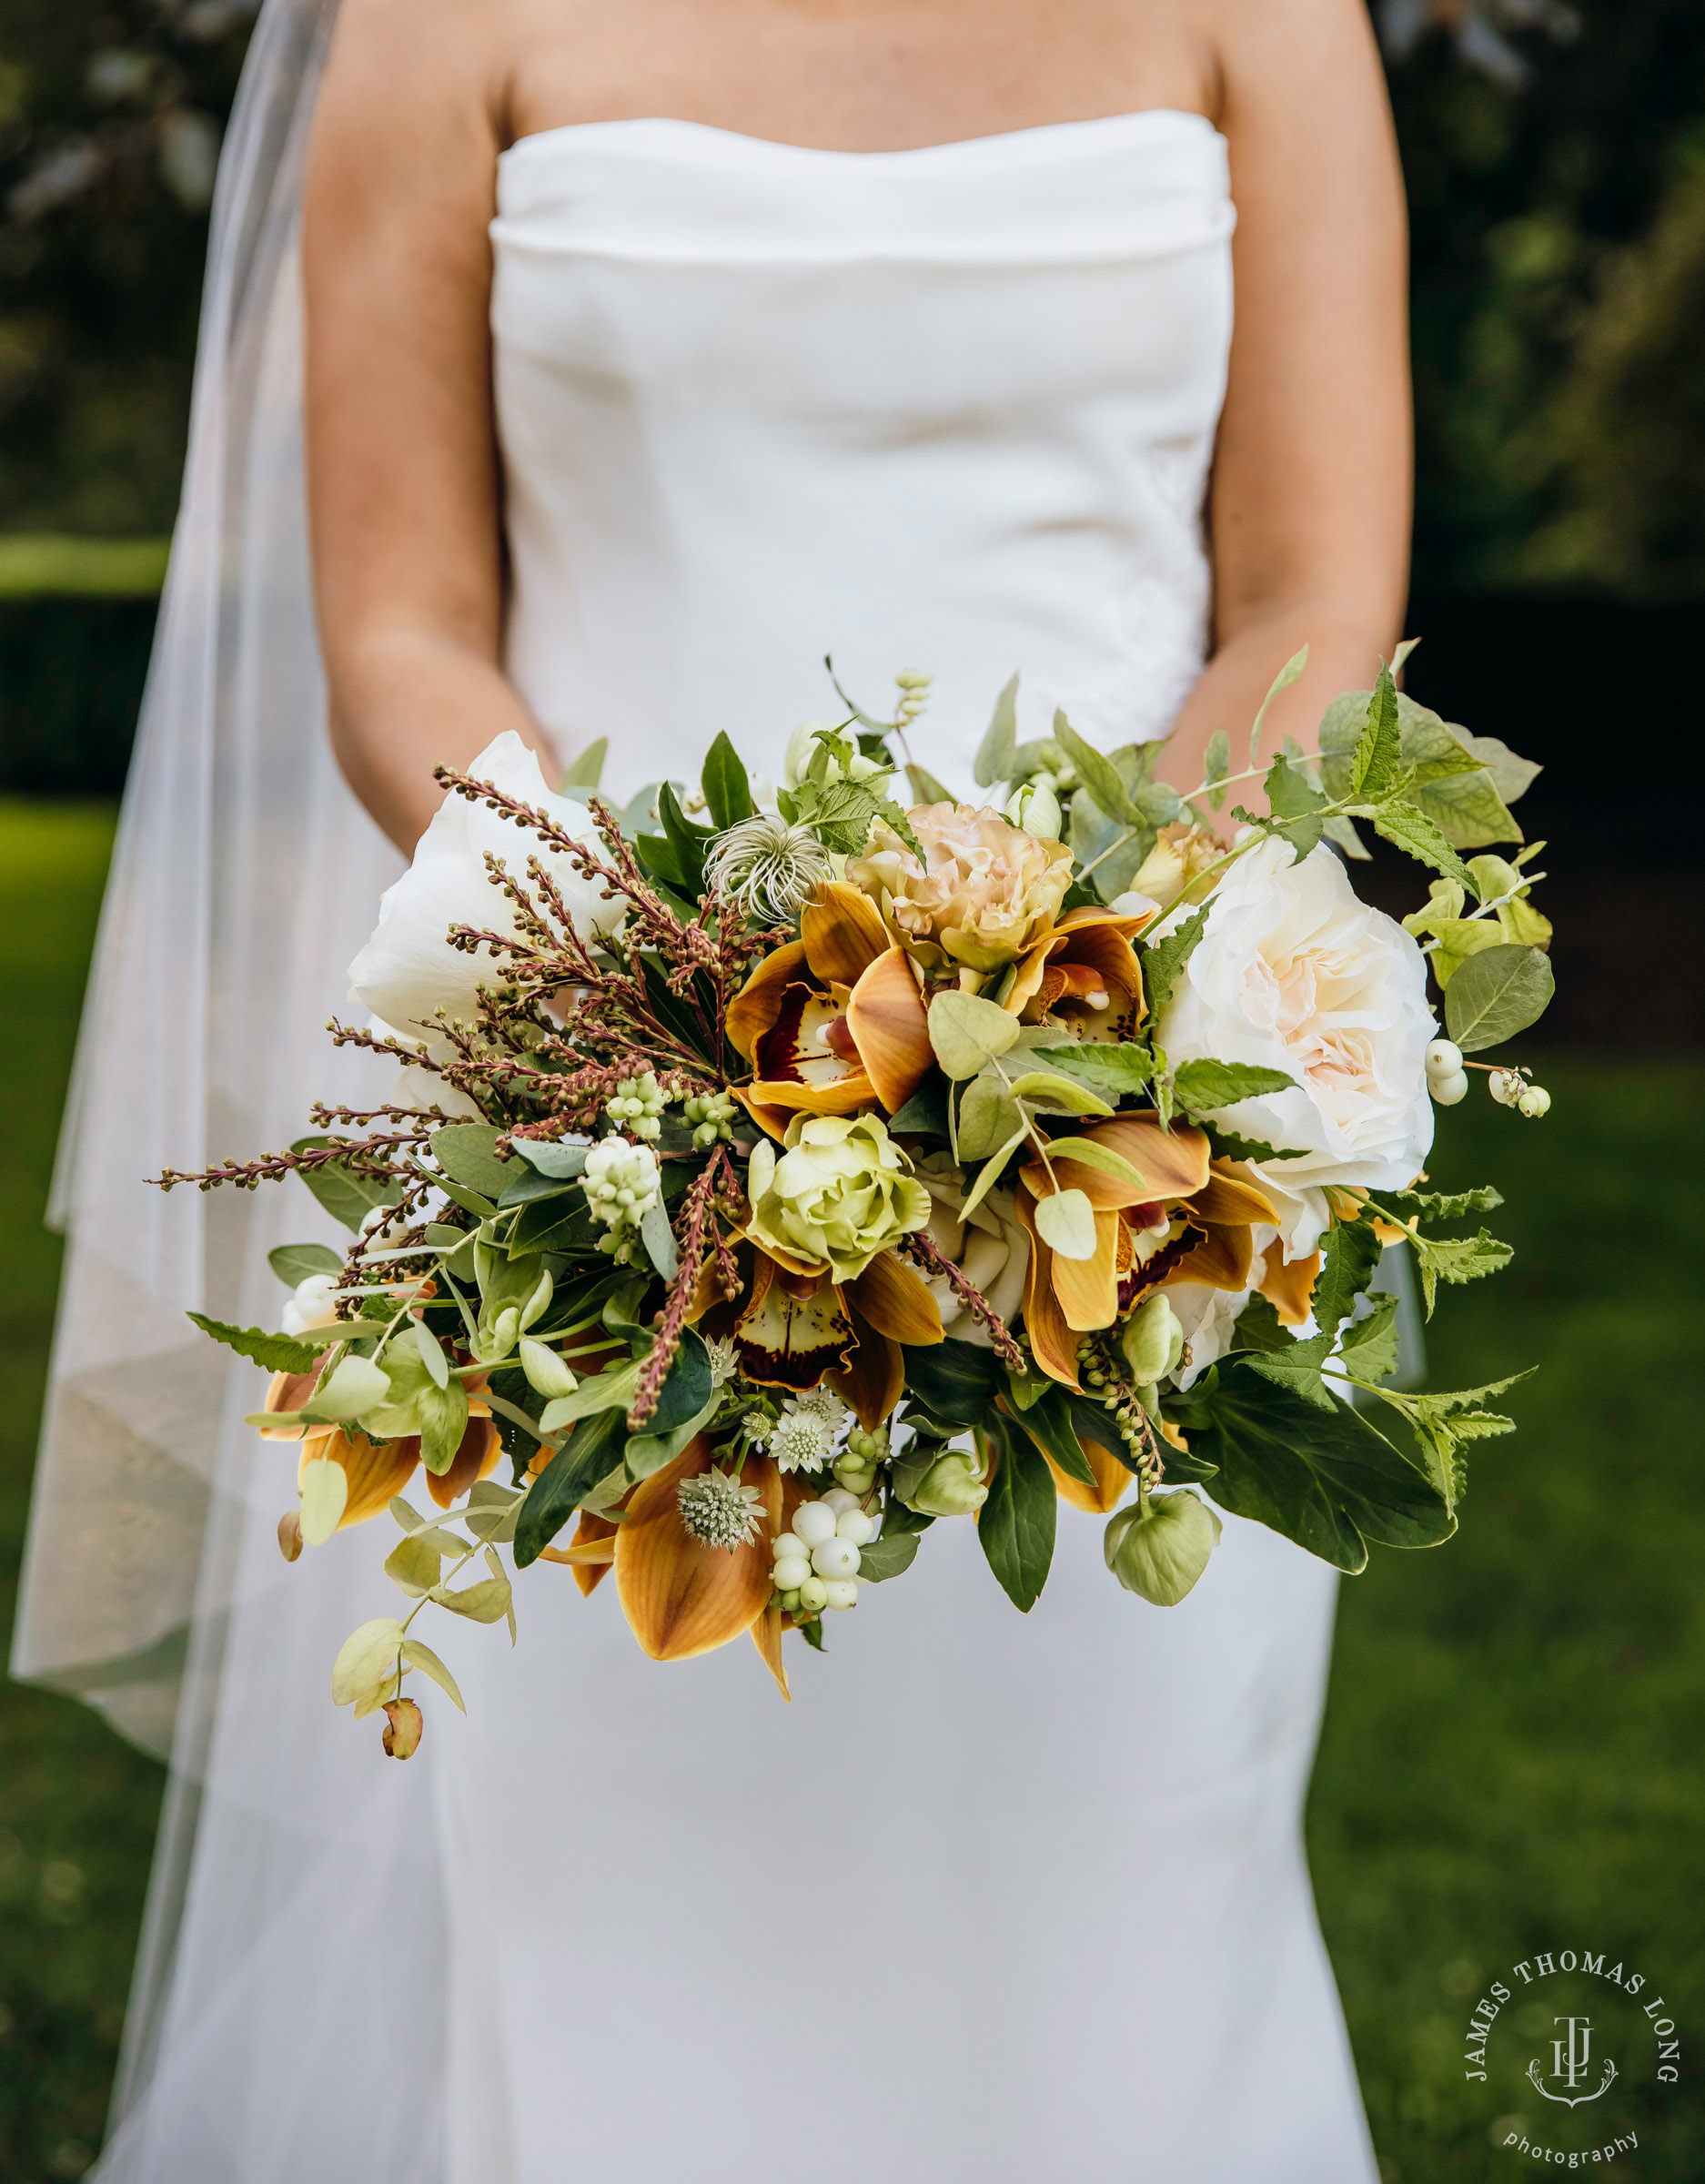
(244, 876)
(544, 1948)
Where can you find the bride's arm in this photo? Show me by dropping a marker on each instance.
(1310, 503)
(403, 478)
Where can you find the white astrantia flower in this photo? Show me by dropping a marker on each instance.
(803, 1438)
(717, 1510)
(1296, 973)
(407, 970)
(724, 1360)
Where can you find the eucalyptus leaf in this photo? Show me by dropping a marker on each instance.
(367, 1661)
(353, 1389)
(423, 1658)
(1097, 772)
(991, 1170)
(1496, 994)
(1086, 1153)
(924, 1114)
(586, 768)
(889, 1556)
(347, 1195)
(295, 1263)
(1050, 1090)
(994, 753)
(464, 1152)
(967, 1033)
(1217, 767)
(1065, 1221)
(325, 1497)
(987, 1118)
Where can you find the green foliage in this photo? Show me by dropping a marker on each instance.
(727, 789)
(1203, 1086)
(1496, 994)
(1015, 1526)
(346, 1194)
(296, 1263)
(1163, 960)
(995, 753)
(277, 1353)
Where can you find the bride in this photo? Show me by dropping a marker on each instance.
(648, 353)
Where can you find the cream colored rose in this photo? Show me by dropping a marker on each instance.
(1295, 972)
(987, 891)
(842, 1191)
(1182, 853)
(991, 1250)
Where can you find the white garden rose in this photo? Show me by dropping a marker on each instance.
(409, 969)
(1295, 972)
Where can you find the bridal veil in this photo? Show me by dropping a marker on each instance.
(244, 878)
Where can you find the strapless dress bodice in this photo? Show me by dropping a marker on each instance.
(948, 409)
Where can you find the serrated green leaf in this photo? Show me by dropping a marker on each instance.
(1117, 1068)
(277, 1353)
(1456, 1260)
(1296, 1368)
(1374, 767)
(994, 753)
(1163, 959)
(1203, 1086)
(1407, 828)
(1369, 1346)
(1496, 995)
(1228, 1146)
(1352, 1257)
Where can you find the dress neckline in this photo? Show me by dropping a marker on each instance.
(709, 137)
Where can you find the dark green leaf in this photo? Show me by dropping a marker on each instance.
(1352, 1255)
(1260, 1327)
(1297, 1367)
(660, 858)
(346, 1195)
(1496, 994)
(1163, 959)
(956, 1381)
(463, 1150)
(591, 1453)
(1370, 1344)
(293, 1263)
(687, 840)
(1228, 1146)
(1203, 1086)
(995, 752)
(1049, 1422)
(727, 788)
(277, 1353)
(688, 1388)
(812, 1632)
(897, 1518)
(1294, 805)
(1456, 1260)
(1438, 1205)
(925, 1113)
(888, 1556)
(529, 1189)
(1015, 1525)
(1330, 1484)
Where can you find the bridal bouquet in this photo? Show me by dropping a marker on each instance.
(775, 1174)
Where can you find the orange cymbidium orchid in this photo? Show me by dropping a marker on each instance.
(1084, 975)
(834, 1021)
(793, 1327)
(681, 1597)
(378, 1470)
(1184, 1217)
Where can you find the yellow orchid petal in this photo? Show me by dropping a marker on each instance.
(681, 1597)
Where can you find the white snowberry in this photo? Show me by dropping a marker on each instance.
(840, 1593)
(839, 1499)
(813, 1595)
(1443, 1058)
(835, 1558)
(814, 1522)
(1449, 1090)
(854, 1525)
(791, 1573)
(1534, 1102)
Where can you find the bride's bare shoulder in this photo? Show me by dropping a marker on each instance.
(433, 71)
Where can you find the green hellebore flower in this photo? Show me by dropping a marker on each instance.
(842, 1191)
(1159, 1547)
(950, 1488)
(1153, 1340)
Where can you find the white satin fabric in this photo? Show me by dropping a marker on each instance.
(997, 1899)
(948, 409)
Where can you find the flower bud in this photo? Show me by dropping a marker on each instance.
(1035, 808)
(950, 1488)
(1159, 1546)
(1447, 1090)
(1153, 1340)
(547, 1374)
(403, 1729)
(291, 1536)
(1534, 1102)
(1443, 1058)
(539, 1303)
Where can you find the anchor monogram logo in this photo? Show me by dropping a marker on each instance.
(1571, 2059)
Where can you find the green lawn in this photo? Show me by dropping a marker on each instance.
(1511, 1754)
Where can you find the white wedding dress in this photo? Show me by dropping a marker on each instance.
(997, 1899)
